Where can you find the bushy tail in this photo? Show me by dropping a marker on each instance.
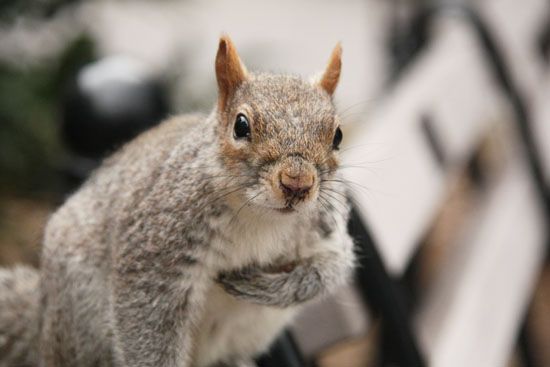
(19, 316)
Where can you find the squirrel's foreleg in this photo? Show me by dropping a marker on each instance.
(155, 303)
(328, 267)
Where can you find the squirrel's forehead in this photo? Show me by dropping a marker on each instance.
(285, 95)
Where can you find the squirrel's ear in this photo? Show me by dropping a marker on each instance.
(230, 72)
(329, 80)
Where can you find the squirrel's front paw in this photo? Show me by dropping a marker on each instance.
(296, 283)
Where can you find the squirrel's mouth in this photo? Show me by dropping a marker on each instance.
(287, 209)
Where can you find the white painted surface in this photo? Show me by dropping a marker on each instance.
(517, 39)
(473, 314)
(515, 26)
(336, 318)
(398, 190)
(178, 40)
(404, 185)
(464, 100)
(284, 35)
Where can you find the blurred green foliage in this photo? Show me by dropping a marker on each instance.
(31, 153)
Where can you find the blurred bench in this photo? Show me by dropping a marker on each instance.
(427, 130)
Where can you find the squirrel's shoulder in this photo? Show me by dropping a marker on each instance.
(138, 162)
(155, 144)
(130, 172)
(170, 132)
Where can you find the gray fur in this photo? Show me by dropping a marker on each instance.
(175, 253)
(19, 316)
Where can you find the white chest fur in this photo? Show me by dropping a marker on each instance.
(229, 327)
(253, 240)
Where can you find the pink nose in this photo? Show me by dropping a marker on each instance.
(296, 185)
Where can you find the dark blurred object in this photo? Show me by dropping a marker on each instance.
(406, 41)
(107, 103)
(409, 33)
(283, 352)
(544, 40)
(110, 102)
(30, 150)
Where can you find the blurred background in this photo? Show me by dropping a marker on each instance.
(446, 110)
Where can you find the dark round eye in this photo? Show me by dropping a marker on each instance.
(242, 127)
(337, 139)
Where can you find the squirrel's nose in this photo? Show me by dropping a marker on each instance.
(296, 185)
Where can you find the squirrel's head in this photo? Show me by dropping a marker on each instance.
(279, 134)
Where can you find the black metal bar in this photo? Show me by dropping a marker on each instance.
(523, 119)
(380, 291)
(543, 41)
(524, 125)
(283, 353)
(432, 140)
(502, 76)
(525, 345)
(385, 299)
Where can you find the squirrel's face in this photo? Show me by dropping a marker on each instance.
(279, 135)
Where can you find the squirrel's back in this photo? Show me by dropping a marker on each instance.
(127, 173)
(122, 182)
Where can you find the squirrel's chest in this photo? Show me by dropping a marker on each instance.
(231, 328)
(233, 247)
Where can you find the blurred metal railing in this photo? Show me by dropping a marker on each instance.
(382, 287)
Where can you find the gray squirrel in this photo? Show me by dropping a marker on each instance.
(195, 243)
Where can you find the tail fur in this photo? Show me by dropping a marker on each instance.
(19, 316)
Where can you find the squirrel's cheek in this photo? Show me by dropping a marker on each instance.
(276, 190)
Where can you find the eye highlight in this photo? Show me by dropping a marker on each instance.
(337, 139)
(241, 130)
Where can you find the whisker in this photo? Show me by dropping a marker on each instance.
(218, 189)
(343, 195)
(357, 191)
(232, 190)
(332, 211)
(362, 102)
(242, 206)
(361, 165)
(355, 146)
(326, 206)
(347, 182)
(336, 199)
(210, 177)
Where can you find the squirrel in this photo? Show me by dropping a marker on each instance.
(197, 242)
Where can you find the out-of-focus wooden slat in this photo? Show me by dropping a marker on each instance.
(321, 324)
(395, 178)
(474, 311)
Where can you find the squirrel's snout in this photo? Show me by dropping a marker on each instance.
(296, 184)
(293, 181)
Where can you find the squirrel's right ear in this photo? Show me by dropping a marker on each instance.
(230, 71)
(329, 80)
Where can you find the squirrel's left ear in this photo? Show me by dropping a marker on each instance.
(230, 71)
(329, 80)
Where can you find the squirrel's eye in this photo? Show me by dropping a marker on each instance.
(242, 127)
(337, 139)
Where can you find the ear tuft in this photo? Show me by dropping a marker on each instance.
(230, 72)
(331, 75)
